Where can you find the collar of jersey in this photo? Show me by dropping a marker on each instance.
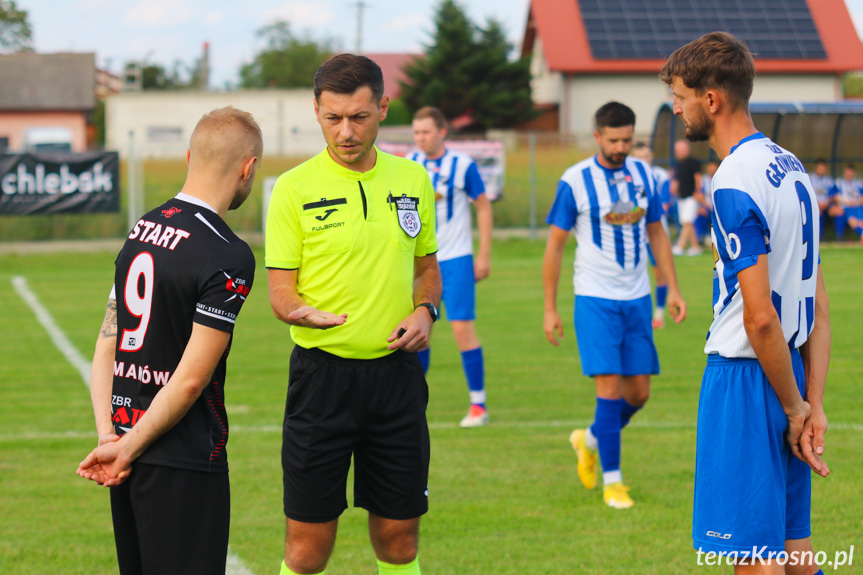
(438, 161)
(755, 136)
(193, 200)
(331, 165)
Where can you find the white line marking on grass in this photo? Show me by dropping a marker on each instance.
(61, 342)
(551, 423)
(234, 565)
(272, 429)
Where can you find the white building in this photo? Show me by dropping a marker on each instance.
(585, 53)
(159, 124)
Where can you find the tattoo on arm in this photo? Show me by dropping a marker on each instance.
(109, 324)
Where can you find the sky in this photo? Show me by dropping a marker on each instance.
(164, 31)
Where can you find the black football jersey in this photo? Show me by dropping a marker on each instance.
(180, 264)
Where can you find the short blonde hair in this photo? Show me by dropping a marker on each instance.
(229, 117)
(226, 135)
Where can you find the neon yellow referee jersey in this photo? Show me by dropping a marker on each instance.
(353, 238)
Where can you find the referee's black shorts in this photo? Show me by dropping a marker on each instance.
(171, 521)
(374, 409)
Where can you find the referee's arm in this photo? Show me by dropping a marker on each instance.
(413, 332)
(290, 308)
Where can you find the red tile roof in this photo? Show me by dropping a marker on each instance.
(564, 41)
(391, 66)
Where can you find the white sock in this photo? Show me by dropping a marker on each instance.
(590, 440)
(609, 477)
(477, 397)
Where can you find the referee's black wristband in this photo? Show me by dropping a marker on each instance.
(432, 310)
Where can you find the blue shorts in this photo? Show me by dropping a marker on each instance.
(459, 288)
(750, 490)
(615, 337)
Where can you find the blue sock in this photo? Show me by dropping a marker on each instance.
(661, 295)
(820, 572)
(839, 221)
(425, 358)
(626, 412)
(474, 370)
(606, 429)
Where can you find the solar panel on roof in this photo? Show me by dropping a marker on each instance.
(653, 29)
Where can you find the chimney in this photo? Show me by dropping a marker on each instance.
(205, 67)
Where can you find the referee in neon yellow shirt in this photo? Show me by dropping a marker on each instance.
(350, 253)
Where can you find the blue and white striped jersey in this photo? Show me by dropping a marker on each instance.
(456, 181)
(823, 185)
(610, 210)
(763, 203)
(849, 192)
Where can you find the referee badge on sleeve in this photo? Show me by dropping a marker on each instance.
(409, 216)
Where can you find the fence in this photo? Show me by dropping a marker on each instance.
(157, 180)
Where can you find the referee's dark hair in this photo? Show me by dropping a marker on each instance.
(347, 73)
(614, 115)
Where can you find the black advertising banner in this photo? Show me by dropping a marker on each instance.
(55, 183)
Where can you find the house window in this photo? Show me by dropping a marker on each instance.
(164, 134)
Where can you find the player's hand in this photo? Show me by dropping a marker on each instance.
(481, 267)
(796, 421)
(676, 306)
(553, 327)
(812, 441)
(105, 465)
(412, 333)
(108, 438)
(307, 316)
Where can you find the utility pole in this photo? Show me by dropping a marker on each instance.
(360, 6)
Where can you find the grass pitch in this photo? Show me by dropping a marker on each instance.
(504, 499)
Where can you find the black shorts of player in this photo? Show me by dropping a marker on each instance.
(372, 409)
(171, 521)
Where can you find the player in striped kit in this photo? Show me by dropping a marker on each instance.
(769, 343)
(848, 195)
(457, 185)
(824, 187)
(611, 201)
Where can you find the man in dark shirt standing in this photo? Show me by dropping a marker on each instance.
(158, 376)
(686, 187)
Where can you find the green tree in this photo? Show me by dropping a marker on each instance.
(180, 76)
(287, 61)
(442, 77)
(503, 96)
(398, 114)
(15, 31)
(852, 85)
(97, 119)
(466, 69)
